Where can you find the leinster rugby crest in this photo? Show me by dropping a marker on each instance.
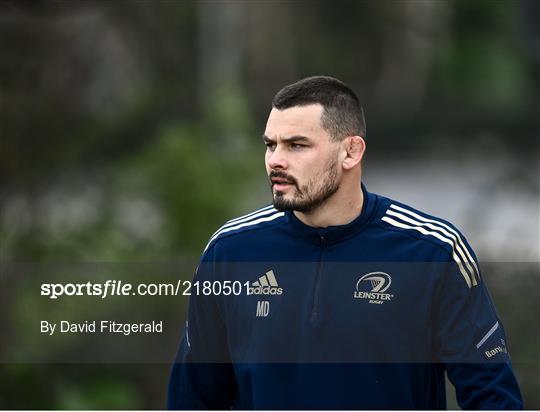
(374, 287)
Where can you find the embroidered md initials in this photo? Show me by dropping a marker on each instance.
(263, 308)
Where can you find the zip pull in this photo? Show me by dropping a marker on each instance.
(323, 240)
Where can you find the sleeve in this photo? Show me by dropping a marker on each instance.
(202, 376)
(469, 337)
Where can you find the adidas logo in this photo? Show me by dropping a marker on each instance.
(266, 285)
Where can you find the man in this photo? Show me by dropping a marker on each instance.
(349, 300)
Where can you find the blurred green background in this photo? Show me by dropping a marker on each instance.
(130, 131)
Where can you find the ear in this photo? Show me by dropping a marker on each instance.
(354, 147)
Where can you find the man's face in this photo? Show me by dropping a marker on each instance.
(301, 159)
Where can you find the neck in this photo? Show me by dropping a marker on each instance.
(341, 208)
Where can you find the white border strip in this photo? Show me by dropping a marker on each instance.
(250, 223)
(251, 214)
(438, 236)
(450, 236)
(262, 212)
(493, 329)
(187, 335)
(423, 219)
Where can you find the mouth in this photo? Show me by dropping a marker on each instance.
(279, 183)
(281, 186)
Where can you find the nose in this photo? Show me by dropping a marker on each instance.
(276, 160)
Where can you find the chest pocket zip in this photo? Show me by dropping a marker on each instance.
(314, 310)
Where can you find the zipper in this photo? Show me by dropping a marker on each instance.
(314, 312)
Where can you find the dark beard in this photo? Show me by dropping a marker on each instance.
(306, 203)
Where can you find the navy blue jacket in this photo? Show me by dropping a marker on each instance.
(367, 315)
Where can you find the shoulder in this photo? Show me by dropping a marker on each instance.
(430, 230)
(394, 215)
(259, 219)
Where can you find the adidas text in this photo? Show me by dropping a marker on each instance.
(264, 290)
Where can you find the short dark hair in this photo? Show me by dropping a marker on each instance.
(342, 115)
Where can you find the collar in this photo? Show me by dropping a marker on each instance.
(333, 234)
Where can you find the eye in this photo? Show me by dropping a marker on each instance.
(297, 146)
(270, 146)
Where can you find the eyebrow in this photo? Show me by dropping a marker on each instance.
(287, 139)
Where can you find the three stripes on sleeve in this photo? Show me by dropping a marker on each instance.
(396, 216)
(265, 214)
(406, 219)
